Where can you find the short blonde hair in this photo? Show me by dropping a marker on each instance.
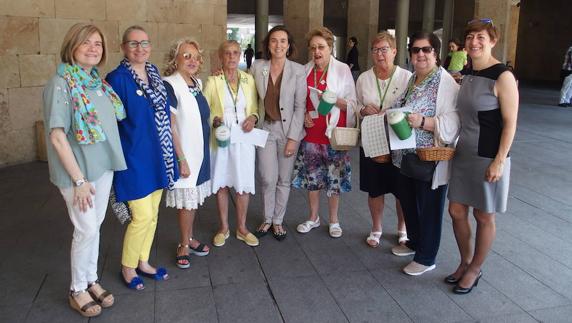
(129, 30)
(321, 32)
(171, 57)
(76, 36)
(226, 44)
(383, 36)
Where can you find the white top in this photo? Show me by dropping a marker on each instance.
(189, 127)
(367, 93)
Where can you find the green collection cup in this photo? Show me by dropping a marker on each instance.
(222, 134)
(327, 101)
(398, 121)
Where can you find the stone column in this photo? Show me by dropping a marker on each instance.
(363, 23)
(401, 25)
(300, 16)
(428, 15)
(260, 23)
(500, 12)
(448, 12)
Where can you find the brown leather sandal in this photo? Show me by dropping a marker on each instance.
(85, 309)
(100, 295)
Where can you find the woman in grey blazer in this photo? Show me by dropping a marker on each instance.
(281, 90)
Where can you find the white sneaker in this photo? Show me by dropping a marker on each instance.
(305, 227)
(415, 269)
(402, 250)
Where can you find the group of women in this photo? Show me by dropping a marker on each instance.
(139, 133)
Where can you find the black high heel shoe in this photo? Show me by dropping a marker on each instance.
(451, 279)
(462, 290)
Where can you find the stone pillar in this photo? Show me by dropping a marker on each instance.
(448, 12)
(363, 23)
(260, 23)
(428, 15)
(300, 16)
(401, 25)
(500, 12)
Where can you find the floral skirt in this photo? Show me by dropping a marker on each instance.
(319, 167)
(189, 198)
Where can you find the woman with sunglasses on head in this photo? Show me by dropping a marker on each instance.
(233, 101)
(148, 147)
(81, 112)
(191, 136)
(488, 108)
(318, 166)
(431, 98)
(377, 90)
(281, 88)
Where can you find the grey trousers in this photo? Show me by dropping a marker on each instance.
(275, 172)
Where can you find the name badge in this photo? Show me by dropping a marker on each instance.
(139, 92)
(314, 114)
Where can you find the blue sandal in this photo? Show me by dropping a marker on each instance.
(161, 274)
(136, 281)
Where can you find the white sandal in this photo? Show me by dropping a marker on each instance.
(373, 236)
(402, 237)
(305, 227)
(335, 230)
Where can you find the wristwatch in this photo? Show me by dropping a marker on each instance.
(422, 123)
(79, 182)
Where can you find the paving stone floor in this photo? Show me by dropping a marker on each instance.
(311, 278)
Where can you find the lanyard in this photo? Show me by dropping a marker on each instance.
(321, 77)
(382, 99)
(234, 98)
(412, 84)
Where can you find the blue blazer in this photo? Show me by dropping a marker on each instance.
(146, 170)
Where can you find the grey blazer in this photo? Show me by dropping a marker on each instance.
(293, 91)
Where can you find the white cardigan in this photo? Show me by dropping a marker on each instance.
(341, 82)
(447, 124)
(190, 128)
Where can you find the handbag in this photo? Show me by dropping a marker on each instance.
(344, 138)
(120, 209)
(413, 167)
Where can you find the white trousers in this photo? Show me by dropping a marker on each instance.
(566, 90)
(85, 242)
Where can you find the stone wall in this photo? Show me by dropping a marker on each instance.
(32, 32)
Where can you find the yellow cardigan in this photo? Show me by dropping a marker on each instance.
(215, 89)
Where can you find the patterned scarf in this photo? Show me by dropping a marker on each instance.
(158, 96)
(85, 123)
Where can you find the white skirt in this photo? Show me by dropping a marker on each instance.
(233, 167)
(188, 198)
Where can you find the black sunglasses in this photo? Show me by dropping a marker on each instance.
(425, 49)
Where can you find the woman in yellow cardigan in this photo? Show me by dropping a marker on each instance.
(232, 99)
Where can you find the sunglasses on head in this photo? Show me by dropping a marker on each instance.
(134, 43)
(425, 49)
(483, 20)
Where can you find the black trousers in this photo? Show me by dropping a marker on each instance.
(423, 210)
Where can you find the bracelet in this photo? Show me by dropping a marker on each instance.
(422, 123)
(181, 159)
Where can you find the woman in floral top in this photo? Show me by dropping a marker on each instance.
(431, 98)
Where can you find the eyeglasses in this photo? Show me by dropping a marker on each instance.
(319, 47)
(133, 43)
(189, 56)
(483, 20)
(425, 49)
(383, 50)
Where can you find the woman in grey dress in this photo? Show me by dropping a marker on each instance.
(488, 107)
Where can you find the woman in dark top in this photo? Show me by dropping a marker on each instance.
(353, 58)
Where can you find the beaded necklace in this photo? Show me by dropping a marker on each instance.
(234, 98)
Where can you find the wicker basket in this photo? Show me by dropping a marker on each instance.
(345, 138)
(383, 159)
(436, 153)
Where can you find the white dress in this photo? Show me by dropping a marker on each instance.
(233, 166)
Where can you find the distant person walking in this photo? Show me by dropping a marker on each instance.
(248, 55)
(567, 65)
(353, 57)
(566, 92)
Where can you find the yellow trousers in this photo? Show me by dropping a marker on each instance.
(141, 231)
